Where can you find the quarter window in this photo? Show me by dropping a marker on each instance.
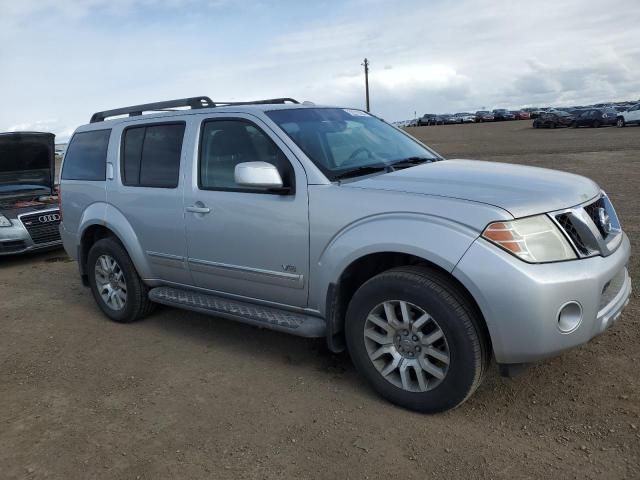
(86, 157)
(226, 143)
(151, 155)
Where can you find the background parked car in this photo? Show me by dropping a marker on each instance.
(553, 120)
(629, 116)
(484, 116)
(453, 118)
(427, 119)
(521, 114)
(596, 117)
(501, 114)
(466, 117)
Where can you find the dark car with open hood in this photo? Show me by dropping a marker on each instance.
(29, 212)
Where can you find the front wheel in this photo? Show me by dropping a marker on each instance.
(620, 122)
(417, 339)
(595, 124)
(115, 284)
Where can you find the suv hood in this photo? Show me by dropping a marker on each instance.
(26, 162)
(520, 190)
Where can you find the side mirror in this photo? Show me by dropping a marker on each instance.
(257, 175)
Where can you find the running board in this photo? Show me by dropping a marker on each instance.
(258, 315)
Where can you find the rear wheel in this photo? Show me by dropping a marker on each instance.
(552, 125)
(115, 283)
(417, 339)
(596, 124)
(620, 122)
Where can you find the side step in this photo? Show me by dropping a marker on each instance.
(259, 315)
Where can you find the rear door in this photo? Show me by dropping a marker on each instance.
(147, 189)
(248, 242)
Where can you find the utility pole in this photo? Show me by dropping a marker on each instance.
(366, 80)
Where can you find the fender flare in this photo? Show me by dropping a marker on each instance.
(423, 236)
(112, 219)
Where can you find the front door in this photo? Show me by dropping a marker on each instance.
(253, 243)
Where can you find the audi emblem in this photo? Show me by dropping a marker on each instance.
(51, 217)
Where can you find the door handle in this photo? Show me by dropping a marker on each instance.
(198, 209)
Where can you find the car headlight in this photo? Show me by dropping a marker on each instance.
(533, 239)
(4, 221)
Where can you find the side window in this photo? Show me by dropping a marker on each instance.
(151, 155)
(226, 143)
(86, 157)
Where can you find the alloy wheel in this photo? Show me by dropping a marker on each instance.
(110, 282)
(406, 346)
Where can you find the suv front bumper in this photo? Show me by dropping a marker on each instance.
(521, 302)
(16, 239)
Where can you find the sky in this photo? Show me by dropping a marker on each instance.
(62, 60)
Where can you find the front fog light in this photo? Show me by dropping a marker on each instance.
(533, 239)
(4, 221)
(569, 317)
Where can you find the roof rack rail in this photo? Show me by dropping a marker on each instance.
(192, 102)
(261, 102)
(135, 110)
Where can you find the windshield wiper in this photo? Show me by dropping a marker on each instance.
(411, 161)
(364, 170)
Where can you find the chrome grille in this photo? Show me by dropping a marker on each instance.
(592, 229)
(43, 227)
(592, 210)
(565, 222)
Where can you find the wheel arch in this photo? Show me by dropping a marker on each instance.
(113, 225)
(362, 269)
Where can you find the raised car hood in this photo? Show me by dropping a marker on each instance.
(520, 190)
(26, 162)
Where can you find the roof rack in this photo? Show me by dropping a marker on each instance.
(269, 101)
(191, 102)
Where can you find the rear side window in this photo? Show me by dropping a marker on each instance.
(86, 157)
(151, 155)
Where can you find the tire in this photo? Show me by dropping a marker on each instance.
(595, 124)
(420, 289)
(574, 125)
(136, 303)
(552, 125)
(620, 122)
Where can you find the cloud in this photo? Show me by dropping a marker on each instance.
(65, 59)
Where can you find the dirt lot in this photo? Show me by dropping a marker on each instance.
(182, 395)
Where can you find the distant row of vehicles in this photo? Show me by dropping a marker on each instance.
(589, 117)
(497, 115)
(621, 114)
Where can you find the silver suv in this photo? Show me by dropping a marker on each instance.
(328, 222)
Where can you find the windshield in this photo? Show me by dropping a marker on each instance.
(341, 140)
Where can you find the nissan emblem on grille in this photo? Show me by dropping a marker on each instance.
(605, 221)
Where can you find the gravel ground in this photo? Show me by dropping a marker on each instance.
(182, 395)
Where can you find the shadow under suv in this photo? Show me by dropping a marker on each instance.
(328, 222)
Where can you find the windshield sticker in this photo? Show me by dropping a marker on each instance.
(356, 113)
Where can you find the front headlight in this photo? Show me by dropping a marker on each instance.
(533, 239)
(4, 221)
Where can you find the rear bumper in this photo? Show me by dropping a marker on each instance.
(521, 302)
